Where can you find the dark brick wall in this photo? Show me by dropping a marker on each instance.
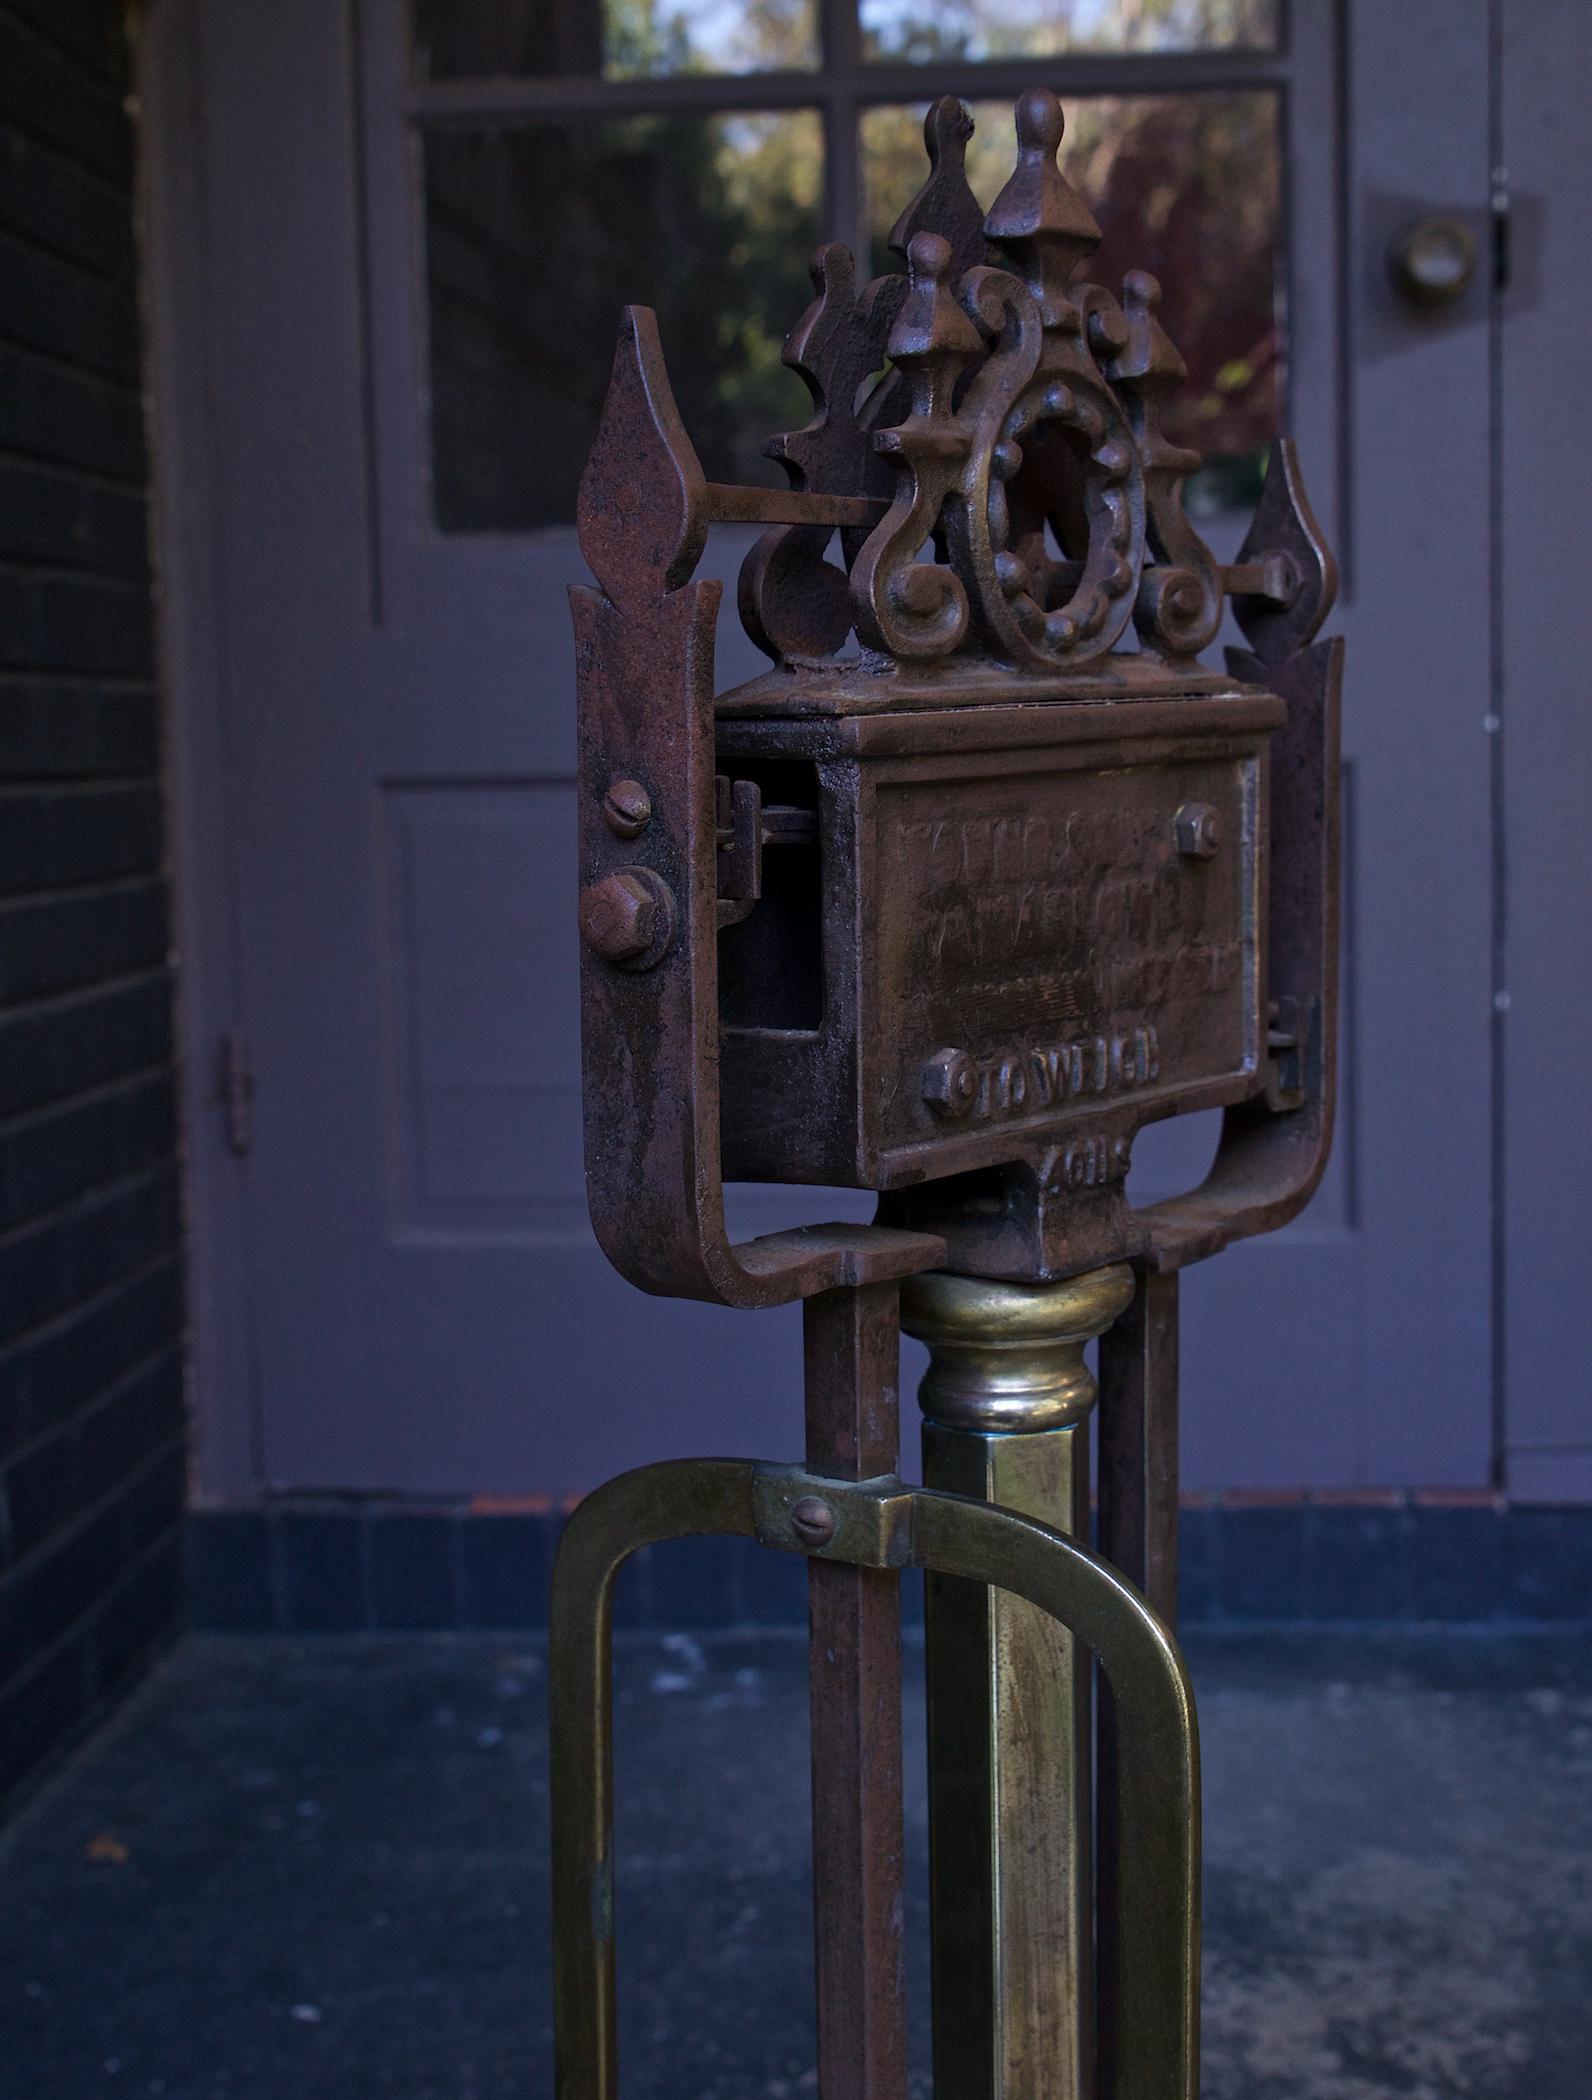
(92, 1455)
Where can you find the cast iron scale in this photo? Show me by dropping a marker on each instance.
(948, 904)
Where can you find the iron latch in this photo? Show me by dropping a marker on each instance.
(743, 828)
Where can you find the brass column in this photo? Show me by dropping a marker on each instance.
(1006, 1402)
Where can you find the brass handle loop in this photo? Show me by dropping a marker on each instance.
(886, 1524)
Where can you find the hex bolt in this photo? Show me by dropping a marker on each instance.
(1199, 831)
(627, 808)
(619, 916)
(813, 1521)
(950, 1080)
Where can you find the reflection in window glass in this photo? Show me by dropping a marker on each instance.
(1185, 186)
(615, 39)
(535, 237)
(924, 30)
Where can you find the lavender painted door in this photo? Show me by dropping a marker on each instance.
(396, 1285)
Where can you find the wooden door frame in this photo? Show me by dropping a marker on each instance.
(187, 534)
(1542, 756)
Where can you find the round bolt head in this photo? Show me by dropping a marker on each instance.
(813, 1521)
(950, 1082)
(1199, 831)
(618, 916)
(627, 808)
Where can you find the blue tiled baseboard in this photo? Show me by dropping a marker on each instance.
(335, 1565)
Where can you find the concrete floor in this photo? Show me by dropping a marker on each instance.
(315, 1870)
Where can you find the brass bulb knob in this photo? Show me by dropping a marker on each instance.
(1009, 1356)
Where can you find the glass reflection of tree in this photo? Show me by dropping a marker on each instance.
(620, 39)
(1185, 186)
(923, 31)
(539, 231)
(651, 37)
(540, 235)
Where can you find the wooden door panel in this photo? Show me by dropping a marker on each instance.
(483, 1103)
(427, 1309)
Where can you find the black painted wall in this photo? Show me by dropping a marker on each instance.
(92, 1457)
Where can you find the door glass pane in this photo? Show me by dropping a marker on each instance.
(614, 39)
(925, 30)
(537, 235)
(1186, 186)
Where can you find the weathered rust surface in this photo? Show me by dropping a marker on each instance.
(956, 897)
(1036, 927)
(649, 1023)
(1139, 1442)
(983, 874)
(1138, 1533)
(852, 1353)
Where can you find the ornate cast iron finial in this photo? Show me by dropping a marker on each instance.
(904, 607)
(1015, 424)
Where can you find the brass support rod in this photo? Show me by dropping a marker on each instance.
(1006, 1402)
(851, 1346)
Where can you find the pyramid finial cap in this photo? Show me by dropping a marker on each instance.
(1039, 217)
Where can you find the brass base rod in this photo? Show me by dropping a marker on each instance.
(1006, 1402)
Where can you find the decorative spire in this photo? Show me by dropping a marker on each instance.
(932, 337)
(946, 204)
(904, 606)
(1284, 536)
(641, 512)
(1179, 605)
(1039, 218)
(793, 603)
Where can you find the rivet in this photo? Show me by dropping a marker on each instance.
(813, 1521)
(1199, 831)
(627, 808)
(949, 1083)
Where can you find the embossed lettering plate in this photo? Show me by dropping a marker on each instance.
(1024, 932)
(1047, 951)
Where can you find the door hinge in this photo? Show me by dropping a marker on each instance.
(1498, 207)
(235, 1092)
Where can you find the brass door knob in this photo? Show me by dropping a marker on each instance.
(1433, 260)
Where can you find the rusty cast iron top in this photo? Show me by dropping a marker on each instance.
(982, 506)
(1004, 398)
